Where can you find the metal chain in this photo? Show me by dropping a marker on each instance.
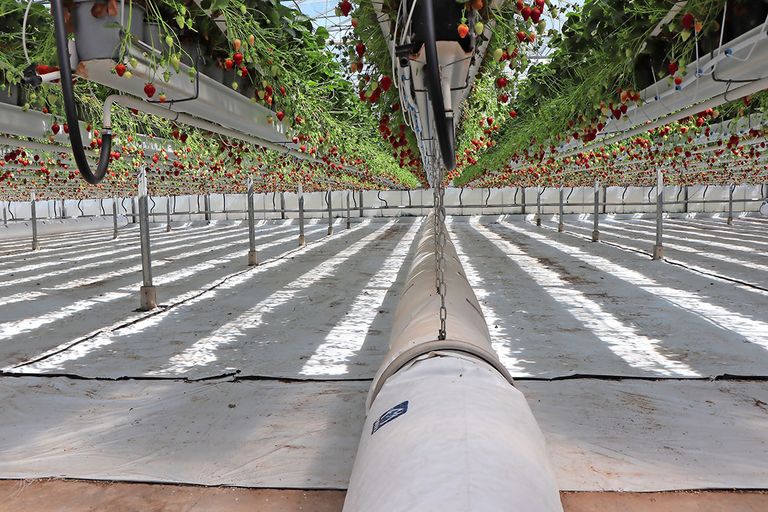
(440, 243)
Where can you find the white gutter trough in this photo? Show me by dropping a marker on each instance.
(446, 429)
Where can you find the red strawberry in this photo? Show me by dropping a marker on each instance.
(360, 49)
(688, 21)
(120, 69)
(463, 30)
(237, 58)
(672, 67)
(521, 36)
(489, 120)
(526, 12)
(229, 63)
(55, 128)
(385, 83)
(345, 7)
(280, 115)
(282, 90)
(501, 82)
(678, 80)
(149, 90)
(65, 127)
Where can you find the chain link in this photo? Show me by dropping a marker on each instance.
(440, 243)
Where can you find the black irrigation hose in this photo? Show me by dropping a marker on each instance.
(152, 210)
(487, 197)
(68, 95)
(13, 217)
(274, 207)
(444, 128)
(461, 193)
(122, 203)
(409, 199)
(79, 202)
(101, 205)
(386, 204)
(569, 194)
(624, 193)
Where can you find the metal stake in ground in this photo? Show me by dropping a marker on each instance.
(148, 292)
(301, 216)
(114, 217)
(330, 212)
(731, 188)
(253, 258)
(596, 226)
(349, 215)
(560, 225)
(33, 205)
(658, 249)
(168, 213)
(538, 205)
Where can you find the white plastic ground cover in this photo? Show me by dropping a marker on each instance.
(66, 299)
(570, 307)
(600, 435)
(23, 229)
(654, 436)
(254, 434)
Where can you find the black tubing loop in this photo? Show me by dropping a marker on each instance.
(443, 125)
(68, 94)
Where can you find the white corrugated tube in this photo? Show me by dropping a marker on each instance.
(446, 430)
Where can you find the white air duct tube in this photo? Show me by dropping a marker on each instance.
(446, 430)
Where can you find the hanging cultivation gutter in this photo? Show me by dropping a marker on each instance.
(731, 72)
(31, 123)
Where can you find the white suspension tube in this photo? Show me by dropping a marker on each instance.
(446, 429)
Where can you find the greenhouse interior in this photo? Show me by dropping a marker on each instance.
(384, 255)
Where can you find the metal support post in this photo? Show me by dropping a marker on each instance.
(330, 212)
(5, 216)
(168, 214)
(349, 214)
(360, 201)
(207, 207)
(596, 215)
(253, 258)
(523, 209)
(114, 218)
(33, 205)
(282, 205)
(147, 292)
(605, 199)
(538, 206)
(560, 225)
(658, 249)
(301, 216)
(731, 188)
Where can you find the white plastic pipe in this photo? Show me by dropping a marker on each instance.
(446, 430)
